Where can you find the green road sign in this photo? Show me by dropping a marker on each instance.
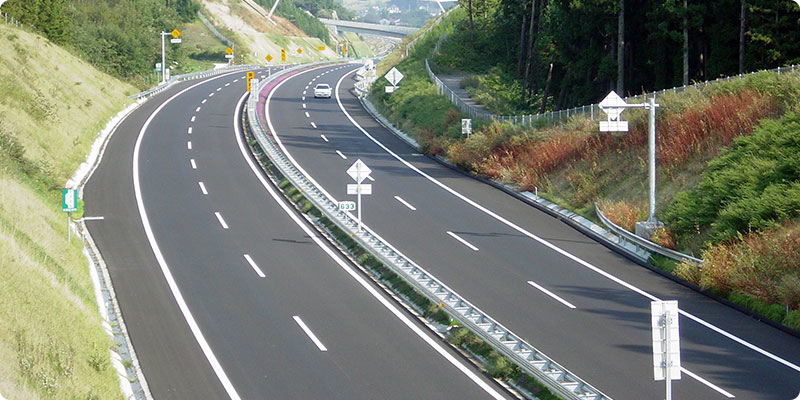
(69, 200)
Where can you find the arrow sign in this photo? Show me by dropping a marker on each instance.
(393, 76)
(358, 171)
(175, 33)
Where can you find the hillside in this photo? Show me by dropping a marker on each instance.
(727, 170)
(51, 105)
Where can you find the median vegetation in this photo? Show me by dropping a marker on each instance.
(728, 175)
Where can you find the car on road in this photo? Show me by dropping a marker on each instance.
(322, 90)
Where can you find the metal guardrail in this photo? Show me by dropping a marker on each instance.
(556, 377)
(194, 75)
(646, 244)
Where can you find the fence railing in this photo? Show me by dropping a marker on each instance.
(623, 234)
(10, 20)
(531, 360)
(214, 30)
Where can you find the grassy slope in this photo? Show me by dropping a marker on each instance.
(51, 341)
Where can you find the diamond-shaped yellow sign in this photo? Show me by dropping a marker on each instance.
(250, 75)
(299, 51)
(228, 50)
(268, 58)
(175, 33)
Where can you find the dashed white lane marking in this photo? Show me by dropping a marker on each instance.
(194, 164)
(371, 179)
(197, 109)
(304, 92)
(204, 101)
(307, 116)
(405, 203)
(219, 88)
(324, 138)
(313, 125)
(304, 97)
(189, 144)
(255, 267)
(221, 221)
(464, 242)
(203, 188)
(236, 80)
(227, 84)
(189, 130)
(304, 105)
(193, 118)
(310, 334)
(344, 157)
(707, 383)
(551, 294)
(211, 95)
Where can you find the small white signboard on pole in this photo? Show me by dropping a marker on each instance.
(466, 126)
(359, 171)
(359, 188)
(666, 342)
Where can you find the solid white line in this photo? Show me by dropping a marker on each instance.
(204, 101)
(221, 221)
(255, 267)
(304, 105)
(194, 165)
(551, 294)
(435, 345)
(197, 109)
(309, 333)
(162, 263)
(193, 118)
(307, 116)
(543, 241)
(189, 144)
(405, 203)
(323, 137)
(464, 242)
(344, 157)
(203, 188)
(190, 130)
(707, 383)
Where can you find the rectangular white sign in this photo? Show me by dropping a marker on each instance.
(389, 89)
(613, 126)
(666, 339)
(353, 188)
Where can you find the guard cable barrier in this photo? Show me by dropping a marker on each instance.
(532, 361)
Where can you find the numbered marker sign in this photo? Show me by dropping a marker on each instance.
(69, 200)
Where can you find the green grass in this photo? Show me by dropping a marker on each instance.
(52, 105)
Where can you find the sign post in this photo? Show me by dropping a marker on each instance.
(175, 39)
(359, 171)
(666, 342)
(69, 204)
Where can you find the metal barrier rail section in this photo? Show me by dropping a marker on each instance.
(553, 375)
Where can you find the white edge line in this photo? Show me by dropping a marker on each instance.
(707, 383)
(162, 262)
(194, 164)
(347, 268)
(310, 334)
(405, 203)
(255, 267)
(551, 294)
(221, 220)
(542, 241)
(464, 242)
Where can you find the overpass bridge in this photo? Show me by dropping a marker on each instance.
(369, 29)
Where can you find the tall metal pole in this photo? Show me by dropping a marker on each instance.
(163, 60)
(358, 187)
(652, 159)
(667, 359)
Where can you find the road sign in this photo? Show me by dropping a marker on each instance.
(321, 48)
(69, 200)
(359, 188)
(229, 51)
(175, 33)
(283, 55)
(613, 106)
(389, 89)
(466, 126)
(394, 76)
(358, 171)
(250, 75)
(175, 41)
(666, 342)
(268, 58)
(158, 67)
(228, 56)
(299, 51)
(347, 205)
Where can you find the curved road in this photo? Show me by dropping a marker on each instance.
(582, 304)
(225, 290)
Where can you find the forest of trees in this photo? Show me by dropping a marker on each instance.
(572, 52)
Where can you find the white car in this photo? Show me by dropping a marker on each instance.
(322, 90)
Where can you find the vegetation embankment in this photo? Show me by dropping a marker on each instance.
(728, 173)
(52, 345)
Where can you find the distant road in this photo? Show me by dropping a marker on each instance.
(225, 293)
(577, 301)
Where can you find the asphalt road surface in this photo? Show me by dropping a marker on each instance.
(580, 303)
(225, 290)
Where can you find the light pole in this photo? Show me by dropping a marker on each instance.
(613, 106)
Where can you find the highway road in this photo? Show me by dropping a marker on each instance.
(225, 290)
(580, 303)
